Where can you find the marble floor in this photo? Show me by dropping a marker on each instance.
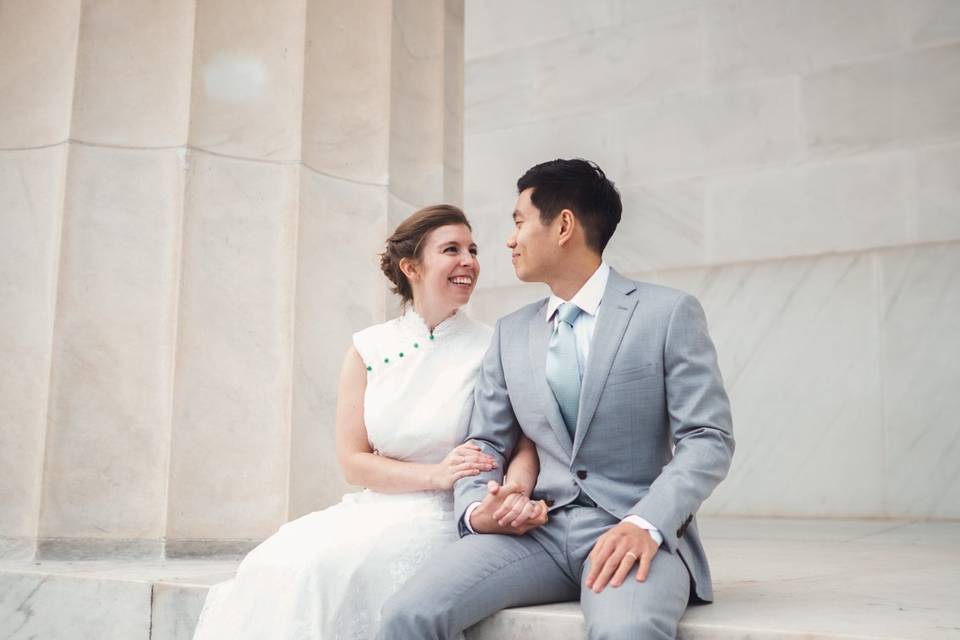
(774, 579)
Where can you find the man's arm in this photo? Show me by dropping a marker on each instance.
(700, 422)
(492, 425)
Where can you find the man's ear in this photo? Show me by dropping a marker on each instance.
(568, 223)
(409, 268)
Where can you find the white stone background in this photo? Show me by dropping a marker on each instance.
(192, 193)
(793, 163)
(192, 197)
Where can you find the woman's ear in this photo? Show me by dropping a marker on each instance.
(409, 268)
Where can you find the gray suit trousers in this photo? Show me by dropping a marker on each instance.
(480, 574)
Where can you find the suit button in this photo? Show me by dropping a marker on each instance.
(582, 474)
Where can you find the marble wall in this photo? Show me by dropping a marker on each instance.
(793, 163)
(181, 185)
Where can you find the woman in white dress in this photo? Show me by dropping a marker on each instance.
(404, 388)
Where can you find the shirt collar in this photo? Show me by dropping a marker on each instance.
(588, 297)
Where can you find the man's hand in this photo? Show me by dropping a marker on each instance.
(506, 509)
(615, 553)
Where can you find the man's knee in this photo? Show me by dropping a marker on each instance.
(622, 628)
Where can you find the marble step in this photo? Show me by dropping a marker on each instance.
(774, 579)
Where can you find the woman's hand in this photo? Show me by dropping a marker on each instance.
(517, 510)
(465, 460)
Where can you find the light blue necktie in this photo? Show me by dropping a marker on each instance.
(563, 365)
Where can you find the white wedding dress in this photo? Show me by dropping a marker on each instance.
(324, 576)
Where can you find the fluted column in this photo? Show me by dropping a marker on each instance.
(108, 433)
(231, 401)
(426, 125)
(382, 100)
(37, 59)
(194, 194)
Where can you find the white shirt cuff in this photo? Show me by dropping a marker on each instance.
(468, 513)
(637, 520)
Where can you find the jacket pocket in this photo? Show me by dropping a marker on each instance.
(633, 374)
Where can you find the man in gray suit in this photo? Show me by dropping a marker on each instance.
(616, 383)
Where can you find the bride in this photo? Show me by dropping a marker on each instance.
(404, 389)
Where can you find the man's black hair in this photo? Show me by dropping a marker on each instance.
(580, 186)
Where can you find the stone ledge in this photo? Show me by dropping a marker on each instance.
(774, 580)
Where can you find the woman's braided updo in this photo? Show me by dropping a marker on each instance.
(408, 239)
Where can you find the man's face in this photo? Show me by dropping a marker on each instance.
(533, 245)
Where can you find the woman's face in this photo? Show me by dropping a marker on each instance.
(448, 268)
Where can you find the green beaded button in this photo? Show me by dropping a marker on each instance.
(401, 354)
(369, 368)
(386, 359)
(431, 336)
(416, 345)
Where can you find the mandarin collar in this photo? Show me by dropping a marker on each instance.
(412, 321)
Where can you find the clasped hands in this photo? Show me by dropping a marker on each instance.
(507, 510)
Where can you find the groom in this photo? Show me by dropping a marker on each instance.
(616, 383)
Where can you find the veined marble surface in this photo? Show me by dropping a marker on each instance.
(37, 79)
(798, 344)
(640, 60)
(331, 211)
(107, 437)
(842, 373)
(920, 366)
(883, 103)
(133, 69)
(230, 434)
(247, 80)
(31, 192)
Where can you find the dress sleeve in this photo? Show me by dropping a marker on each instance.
(366, 342)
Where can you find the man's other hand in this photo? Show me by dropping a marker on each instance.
(615, 553)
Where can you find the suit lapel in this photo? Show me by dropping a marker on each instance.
(540, 331)
(614, 314)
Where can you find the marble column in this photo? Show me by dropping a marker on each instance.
(108, 420)
(194, 195)
(231, 397)
(390, 144)
(36, 80)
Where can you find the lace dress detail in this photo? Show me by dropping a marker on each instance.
(325, 575)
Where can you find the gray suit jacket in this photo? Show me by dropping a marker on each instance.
(654, 433)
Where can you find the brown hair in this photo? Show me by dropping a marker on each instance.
(407, 241)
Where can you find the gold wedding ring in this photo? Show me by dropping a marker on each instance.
(633, 555)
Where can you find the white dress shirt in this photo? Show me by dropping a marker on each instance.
(589, 299)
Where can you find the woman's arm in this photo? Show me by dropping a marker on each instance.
(361, 466)
(524, 467)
